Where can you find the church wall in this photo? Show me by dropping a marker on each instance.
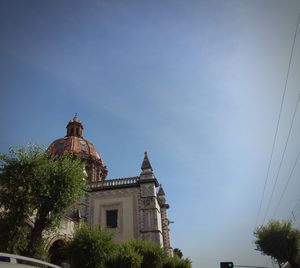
(125, 202)
(65, 231)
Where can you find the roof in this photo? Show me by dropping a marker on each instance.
(75, 145)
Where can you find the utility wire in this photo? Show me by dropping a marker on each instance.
(296, 204)
(286, 185)
(282, 157)
(292, 213)
(278, 121)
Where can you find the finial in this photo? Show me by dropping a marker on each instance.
(76, 118)
(161, 191)
(146, 163)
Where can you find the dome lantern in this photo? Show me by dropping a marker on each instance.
(75, 127)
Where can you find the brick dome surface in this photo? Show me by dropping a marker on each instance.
(75, 145)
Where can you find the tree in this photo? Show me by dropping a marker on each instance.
(280, 241)
(153, 255)
(94, 248)
(178, 253)
(35, 191)
(90, 248)
(175, 262)
(125, 257)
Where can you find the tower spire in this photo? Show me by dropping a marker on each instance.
(146, 163)
(161, 191)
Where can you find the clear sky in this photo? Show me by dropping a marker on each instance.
(197, 84)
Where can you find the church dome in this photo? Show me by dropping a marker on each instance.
(75, 144)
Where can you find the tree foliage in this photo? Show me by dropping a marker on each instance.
(177, 252)
(175, 262)
(153, 255)
(90, 248)
(280, 241)
(36, 189)
(94, 248)
(125, 257)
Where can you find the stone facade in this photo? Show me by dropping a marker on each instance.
(130, 207)
(124, 201)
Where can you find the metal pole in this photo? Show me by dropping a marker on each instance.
(250, 266)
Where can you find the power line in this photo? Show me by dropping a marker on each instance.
(278, 121)
(293, 217)
(282, 157)
(296, 204)
(286, 185)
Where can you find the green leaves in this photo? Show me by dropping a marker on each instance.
(174, 262)
(125, 257)
(90, 248)
(94, 248)
(278, 240)
(152, 254)
(35, 183)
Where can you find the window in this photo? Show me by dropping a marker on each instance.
(112, 218)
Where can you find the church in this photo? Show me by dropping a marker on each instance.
(131, 207)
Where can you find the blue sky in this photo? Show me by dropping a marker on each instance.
(197, 84)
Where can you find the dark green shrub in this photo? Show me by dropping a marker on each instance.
(125, 257)
(152, 254)
(90, 248)
(175, 262)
